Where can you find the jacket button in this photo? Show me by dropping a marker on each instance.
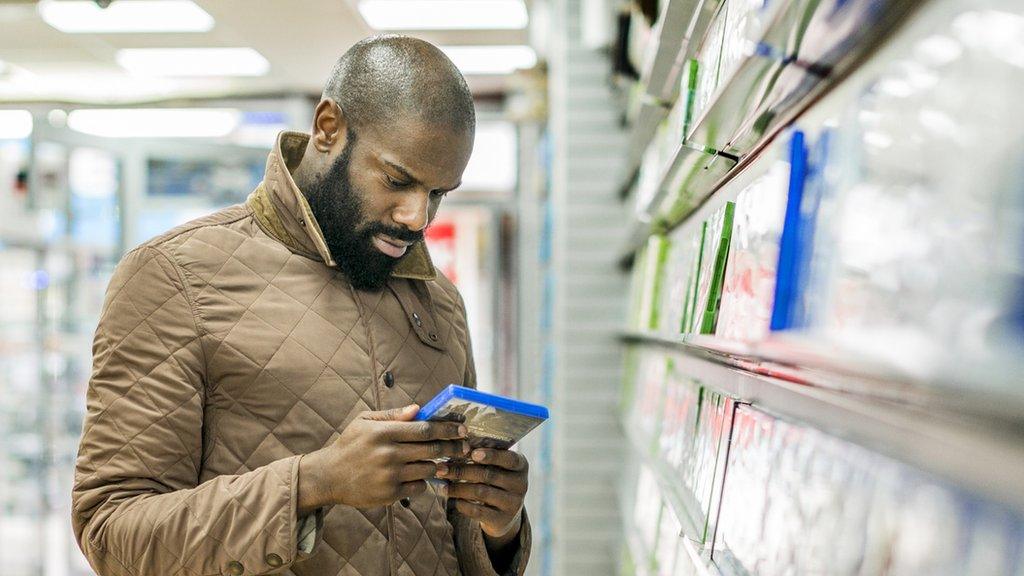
(405, 502)
(235, 568)
(302, 222)
(416, 320)
(274, 560)
(389, 379)
(432, 336)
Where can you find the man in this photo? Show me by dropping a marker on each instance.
(257, 371)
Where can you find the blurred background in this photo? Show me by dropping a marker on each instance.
(763, 259)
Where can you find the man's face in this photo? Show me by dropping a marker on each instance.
(380, 193)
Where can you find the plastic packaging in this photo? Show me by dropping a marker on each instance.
(712, 272)
(749, 288)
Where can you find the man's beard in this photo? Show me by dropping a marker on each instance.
(339, 211)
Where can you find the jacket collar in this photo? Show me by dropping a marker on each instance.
(282, 210)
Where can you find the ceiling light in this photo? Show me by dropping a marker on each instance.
(193, 61)
(491, 59)
(155, 122)
(82, 16)
(444, 14)
(15, 124)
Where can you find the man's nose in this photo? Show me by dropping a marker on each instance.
(411, 212)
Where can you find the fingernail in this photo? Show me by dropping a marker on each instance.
(442, 469)
(465, 447)
(463, 431)
(478, 455)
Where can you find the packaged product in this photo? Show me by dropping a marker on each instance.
(749, 288)
(712, 273)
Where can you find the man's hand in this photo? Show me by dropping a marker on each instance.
(379, 458)
(490, 490)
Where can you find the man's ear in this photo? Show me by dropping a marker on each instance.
(328, 126)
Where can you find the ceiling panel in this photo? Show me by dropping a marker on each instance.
(301, 40)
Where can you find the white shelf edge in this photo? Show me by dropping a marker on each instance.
(982, 457)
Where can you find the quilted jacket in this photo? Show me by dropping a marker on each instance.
(229, 347)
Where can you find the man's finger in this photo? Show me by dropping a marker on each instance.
(483, 474)
(506, 459)
(414, 451)
(489, 495)
(417, 471)
(480, 512)
(426, 431)
(403, 414)
(410, 489)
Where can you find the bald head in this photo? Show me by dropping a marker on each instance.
(383, 80)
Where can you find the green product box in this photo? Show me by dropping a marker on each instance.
(688, 90)
(689, 305)
(653, 270)
(713, 259)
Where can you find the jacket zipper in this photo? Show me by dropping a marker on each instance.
(376, 398)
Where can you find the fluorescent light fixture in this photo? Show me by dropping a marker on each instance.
(84, 16)
(15, 124)
(444, 14)
(155, 122)
(491, 59)
(193, 61)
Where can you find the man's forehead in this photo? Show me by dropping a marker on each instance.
(425, 154)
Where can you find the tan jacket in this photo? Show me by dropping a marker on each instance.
(227, 349)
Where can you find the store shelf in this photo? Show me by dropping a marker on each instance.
(683, 504)
(719, 123)
(638, 554)
(697, 555)
(680, 24)
(804, 361)
(701, 567)
(691, 172)
(746, 114)
(679, 30)
(750, 108)
(645, 123)
(982, 455)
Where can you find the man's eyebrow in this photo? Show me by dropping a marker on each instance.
(408, 175)
(399, 169)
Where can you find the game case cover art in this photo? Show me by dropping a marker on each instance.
(492, 421)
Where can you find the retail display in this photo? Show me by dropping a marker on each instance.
(798, 501)
(900, 220)
(870, 239)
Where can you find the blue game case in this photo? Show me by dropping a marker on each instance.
(492, 421)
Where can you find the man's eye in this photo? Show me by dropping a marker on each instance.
(395, 183)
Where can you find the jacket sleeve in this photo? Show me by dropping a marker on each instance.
(474, 559)
(137, 507)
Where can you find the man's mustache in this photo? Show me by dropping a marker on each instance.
(403, 234)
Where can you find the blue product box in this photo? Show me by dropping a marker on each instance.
(493, 421)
